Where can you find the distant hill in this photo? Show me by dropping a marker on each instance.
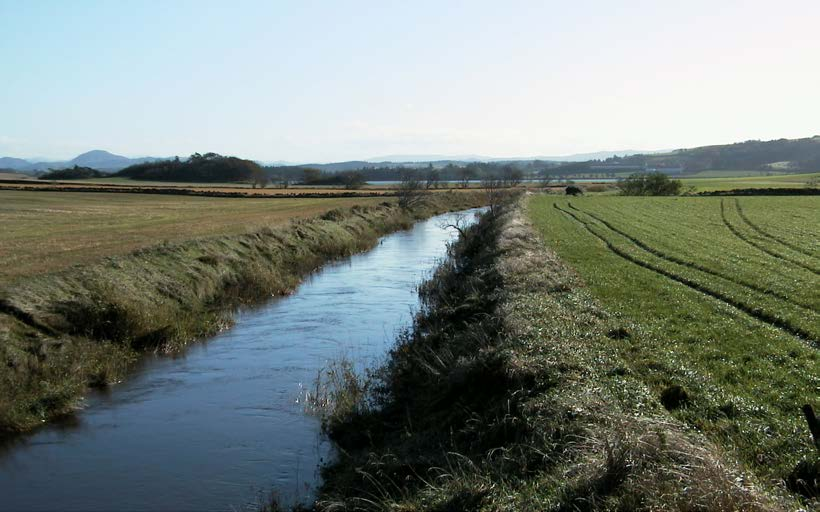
(578, 157)
(438, 161)
(100, 159)
(340, 166)
(783, 155)
(207, 168)
(403, 159)
(97, 159)
(15, 164)
(599, 155)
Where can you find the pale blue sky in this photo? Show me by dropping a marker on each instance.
(322, 81)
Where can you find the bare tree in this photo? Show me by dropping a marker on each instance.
(511, 175)
(493, 187)
(280, 179)
(459, 222)
(259, 178)
(311, 175)
(433, 177)
(545, 178)
(353, 180)
(410, 189)
(465, 174)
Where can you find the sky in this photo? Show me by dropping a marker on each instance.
(306, 81)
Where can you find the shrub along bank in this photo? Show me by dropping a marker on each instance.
(508, 395)
(61, 332)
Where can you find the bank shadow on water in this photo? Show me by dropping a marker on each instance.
(220, 427)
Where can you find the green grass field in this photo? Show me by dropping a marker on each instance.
(720, 296)
(733, 174)
(48, 231)
(724, 182)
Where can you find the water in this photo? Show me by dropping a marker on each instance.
(220, 427)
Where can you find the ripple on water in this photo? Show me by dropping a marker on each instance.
(221, 426)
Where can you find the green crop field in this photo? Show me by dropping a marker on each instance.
(724, 173)
(720, 296)
(724, 182)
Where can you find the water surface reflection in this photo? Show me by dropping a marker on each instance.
(219, 427)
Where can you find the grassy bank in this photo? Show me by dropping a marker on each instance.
(64, 331)
(511, 393)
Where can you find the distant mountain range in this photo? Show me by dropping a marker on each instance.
(782, 155)
(578, 157)
(96, 159)
(109, 162)
(441, 160)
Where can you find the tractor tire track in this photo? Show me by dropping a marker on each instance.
(765, 234)
(760, 246)
(693, 265)
(761, 316)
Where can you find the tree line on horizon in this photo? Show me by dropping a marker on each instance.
(798, 155)
(215, 168)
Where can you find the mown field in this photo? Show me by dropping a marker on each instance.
(8, 175)
(48, 231)
(720, 296)
(103, 185)
(271, 188)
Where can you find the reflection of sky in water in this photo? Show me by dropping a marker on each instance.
(219, 427)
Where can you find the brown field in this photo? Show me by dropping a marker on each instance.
(6, 175)
(48, 231)
(178, 187)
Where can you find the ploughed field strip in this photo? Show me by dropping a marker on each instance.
(723, 300)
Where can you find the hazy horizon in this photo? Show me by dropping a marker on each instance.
(378, 158)
(312, 82)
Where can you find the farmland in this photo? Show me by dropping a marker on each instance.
(122, 181)
(203, 189)
(718, 296)
(48, 231)
(727, 181)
